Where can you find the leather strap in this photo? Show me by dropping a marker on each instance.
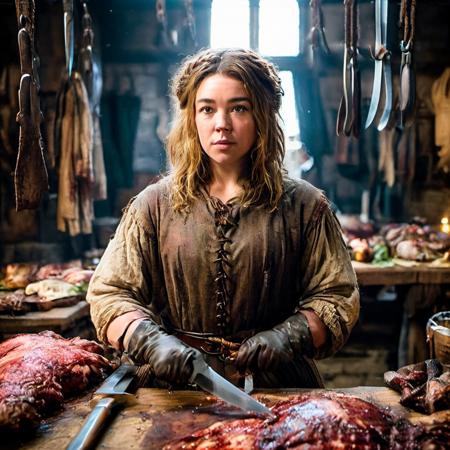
(382, 72)
(348, 120)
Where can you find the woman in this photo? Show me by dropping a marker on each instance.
(227, 258)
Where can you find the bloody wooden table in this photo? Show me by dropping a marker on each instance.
(161, 416)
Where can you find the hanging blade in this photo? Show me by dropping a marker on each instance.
(388, 96)
(376, 91)
(68, 34)
(378, 71)
(386, 69)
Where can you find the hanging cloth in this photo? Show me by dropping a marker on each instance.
(75, 159)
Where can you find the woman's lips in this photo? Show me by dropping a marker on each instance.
(223, 142)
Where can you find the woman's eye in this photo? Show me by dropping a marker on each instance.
(240, 108)
(206, 109)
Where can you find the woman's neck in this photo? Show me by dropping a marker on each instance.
(225, 185)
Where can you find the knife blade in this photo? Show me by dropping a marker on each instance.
(112, 393)
(209, 380)
(68, 34)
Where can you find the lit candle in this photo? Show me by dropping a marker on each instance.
(445, 226)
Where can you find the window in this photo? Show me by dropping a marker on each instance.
(278, 27)
(288, 110)
(230, 21)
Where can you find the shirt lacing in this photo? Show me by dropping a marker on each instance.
(225, 221)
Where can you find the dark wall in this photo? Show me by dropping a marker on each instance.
(138, 54)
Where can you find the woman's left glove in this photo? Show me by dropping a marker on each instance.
(268, 349)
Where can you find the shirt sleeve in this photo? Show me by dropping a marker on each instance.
(329, 282)
(122, 282)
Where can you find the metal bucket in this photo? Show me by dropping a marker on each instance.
(438, 336)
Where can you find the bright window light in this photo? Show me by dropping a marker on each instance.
(288, 109)
(278, 27)
(230, 23)
(293, 157)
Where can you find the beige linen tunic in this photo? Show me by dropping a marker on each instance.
(261, 267)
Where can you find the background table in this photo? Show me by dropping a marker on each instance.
(68, 321)
(371, 275)
(421, 291)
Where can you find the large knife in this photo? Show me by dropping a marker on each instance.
(112, 393)
(68, 34)
(209, 380)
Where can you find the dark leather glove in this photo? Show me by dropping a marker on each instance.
(170, 358)
(268, 349)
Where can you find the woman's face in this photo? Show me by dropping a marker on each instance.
(224, 119)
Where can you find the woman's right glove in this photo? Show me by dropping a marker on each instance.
(170, 358)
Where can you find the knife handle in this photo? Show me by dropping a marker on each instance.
(86, 437)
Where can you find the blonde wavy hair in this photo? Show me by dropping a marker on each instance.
(190, 166)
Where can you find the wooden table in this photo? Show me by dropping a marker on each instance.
(412, 346)
(160, 416)
(370, 275)
(65, 321)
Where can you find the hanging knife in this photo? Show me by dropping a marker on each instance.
(382, 71)
(111, 394)
(68, 34)
(211, 381)
(387, 75)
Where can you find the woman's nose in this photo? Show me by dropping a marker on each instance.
(223, 121)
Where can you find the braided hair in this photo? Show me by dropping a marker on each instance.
(190, 167)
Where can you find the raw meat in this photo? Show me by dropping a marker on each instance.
(315, 420)
(55, 270)
(39, 371)
(77, 276)
(18, 275)
(424, 386)
(16, 302)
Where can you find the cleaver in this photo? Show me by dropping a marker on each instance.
(209, 380)
(111, 394)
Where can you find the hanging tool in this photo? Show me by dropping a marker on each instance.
(349, 115)
(407, 76)
(190, 20)
(85, 54)
(68, 34)
(382, 71)
(30, 175)
(317, 38)
(161, 18)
